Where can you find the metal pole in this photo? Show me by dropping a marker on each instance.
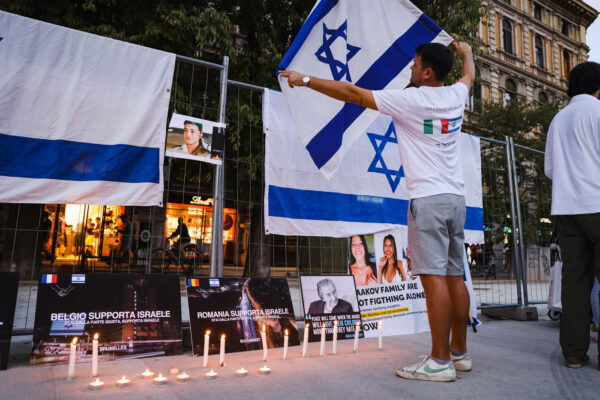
(216, 249)
(513, 220)
(519, 225)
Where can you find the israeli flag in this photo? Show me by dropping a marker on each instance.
(82, 117)
(78, 278)
(368, 43)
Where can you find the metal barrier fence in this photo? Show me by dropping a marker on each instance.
(511, 268)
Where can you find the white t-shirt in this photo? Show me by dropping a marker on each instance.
(573, 157)
(428, 121)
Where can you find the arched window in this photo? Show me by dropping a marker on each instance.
(539, 51)
(566, 63)
(543, 97)
(507, 35)
(511, 90)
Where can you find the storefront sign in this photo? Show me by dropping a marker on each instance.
(134, 315)
(198, 200)
(9, 284)
(328, 299)
(238, 309)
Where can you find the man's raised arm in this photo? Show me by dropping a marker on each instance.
(468, 71)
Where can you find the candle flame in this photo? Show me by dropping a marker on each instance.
(323, 325)
(160, 375)
(97, 380)
(123, 378)
(208, 332)
(264, 327)
(95, 336)
(223, 336)
(147, 370)
(74, 340)
(335, 322)
(286, 332)
(307, 324)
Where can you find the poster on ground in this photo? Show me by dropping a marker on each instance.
(9, 284)
(386, 289)
(195, 139)
(238, 308)
(330, 298)
(134, 315)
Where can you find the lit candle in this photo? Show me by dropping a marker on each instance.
(305, 344)
(380, 332)
(241, 372)
(264, 370)
(95, 355)
(206, 344)
(123, 382)
(263, 334)
(72, 358)
(335, 330)
(211, 375)
(356, 334)
(286, 340)
(222, 353)
(174, 370)
(183, 377)
(96, 385)
(147, 374)
(322, 352)
(160, 380)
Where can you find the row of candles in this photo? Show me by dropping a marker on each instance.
(184, 377)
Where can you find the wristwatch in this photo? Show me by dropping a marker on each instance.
(306, 80)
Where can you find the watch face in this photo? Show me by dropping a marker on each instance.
(306, 79)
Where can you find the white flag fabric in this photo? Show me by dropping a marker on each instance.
(368, 192)
(368, 43)
(82, 117)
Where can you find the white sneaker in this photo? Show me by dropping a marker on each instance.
(462, 363)
(428, 370)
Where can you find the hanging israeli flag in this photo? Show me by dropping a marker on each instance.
(82, 117)
(368, 43)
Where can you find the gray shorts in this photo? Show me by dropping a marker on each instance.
(436, 234)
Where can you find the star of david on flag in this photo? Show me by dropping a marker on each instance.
(368, 43)
(378, 164)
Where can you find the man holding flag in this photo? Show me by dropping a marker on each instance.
(428, 118)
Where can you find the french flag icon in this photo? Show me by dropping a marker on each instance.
(49, 278)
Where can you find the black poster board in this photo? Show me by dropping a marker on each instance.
(238, 307)
(327, 299)
(135, 315)
(9, 284)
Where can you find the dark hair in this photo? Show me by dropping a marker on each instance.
(584, 79)
(198, 124)
(437, 57)
(367, 254)
(395, 258)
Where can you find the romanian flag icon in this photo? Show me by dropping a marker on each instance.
(193, 282)
(49, 278)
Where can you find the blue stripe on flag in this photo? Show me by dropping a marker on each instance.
(328, 141)
(321, 10)
(25, 157)
(328, 206)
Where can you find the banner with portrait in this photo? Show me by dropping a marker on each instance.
(135, 316)
(330, 298)
(385, 287)
(9, 285)
(195, 139)
(239, 308)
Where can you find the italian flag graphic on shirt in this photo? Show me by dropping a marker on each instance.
(441, 126)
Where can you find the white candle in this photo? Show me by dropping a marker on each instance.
(147, 374)
(96, 385)
(211, 375)
(95, 355)
(160, 380)
(263, 334)
(335, 330)
(322, 352)
(380, 332)
(264, 370)
(305, 344)
(206, 344)
(183, 377)
(123, 382)
(356, 334)
(286, 339)
(222, 353)
(241, 372)
(72, 358)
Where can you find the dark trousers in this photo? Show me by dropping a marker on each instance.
(579, 240)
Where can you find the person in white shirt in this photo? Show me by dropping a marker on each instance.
(573, 163)
(428, 118)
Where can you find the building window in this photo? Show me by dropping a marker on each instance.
(507, 36)
(543, 97)
(565, 27)
(539, 51)
(537, 11)
(566, 63)
(511, 90)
